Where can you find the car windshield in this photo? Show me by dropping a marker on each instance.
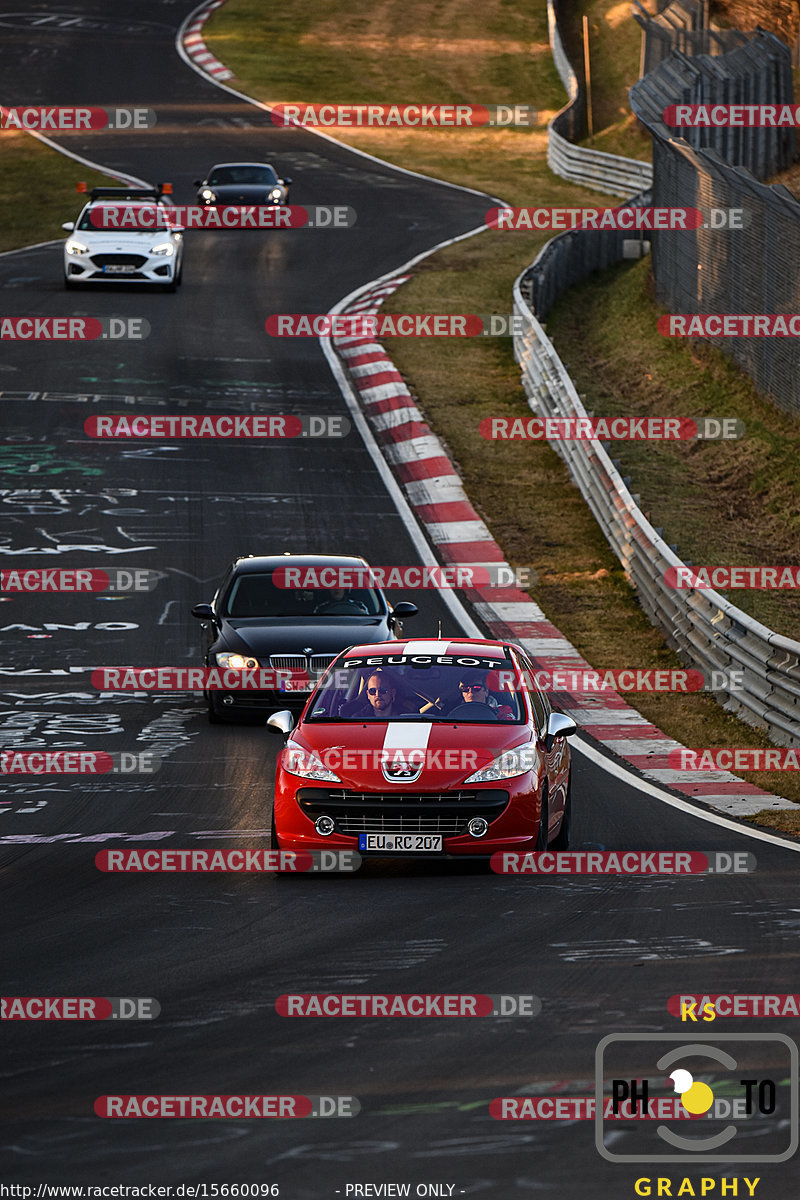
(257, 594)
(225, 176)
(127, 225)
(404, 687)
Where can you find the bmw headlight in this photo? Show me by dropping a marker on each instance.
(73, 247)
(237, 662)
(163, 248)
(275, 194)
(306, 764)
(508, 764)
(208, 195)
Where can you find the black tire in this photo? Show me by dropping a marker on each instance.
(69, 286)
(273, 832)
(544, 817)
(213, 716)
(562, 839)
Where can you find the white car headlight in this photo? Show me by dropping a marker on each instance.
(275, 194)
(73, 247)
(507, 765)
(207, 194)
(165, 248)
(237, 662)
(306, 764)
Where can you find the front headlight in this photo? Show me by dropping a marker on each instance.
(73, 247)
(207, 194)
(165, 248)
(306, 764)
(507, 765)
(275, 194)
(237, 662)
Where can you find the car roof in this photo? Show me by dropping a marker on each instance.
(241, 164)
(251, 563)
(422, 647)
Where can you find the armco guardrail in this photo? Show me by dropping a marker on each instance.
(591, 168)
(703, 627)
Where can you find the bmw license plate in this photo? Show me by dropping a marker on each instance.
(118, 269)
(298, 685)
(404, 843)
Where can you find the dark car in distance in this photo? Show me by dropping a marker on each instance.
(252, 623)
(242, 183)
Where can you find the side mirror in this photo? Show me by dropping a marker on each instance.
(281, 722)
(68, 225)
(404, 609)
(197, 183)
(203, 612)
(287, 181)
(559, 726)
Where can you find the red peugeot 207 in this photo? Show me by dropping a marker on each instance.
(435, 748)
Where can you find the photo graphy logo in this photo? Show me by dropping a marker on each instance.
(737, 1112)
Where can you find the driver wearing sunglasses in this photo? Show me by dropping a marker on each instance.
(381, 695)
(473, 690)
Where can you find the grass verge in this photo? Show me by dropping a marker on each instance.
(37, 190)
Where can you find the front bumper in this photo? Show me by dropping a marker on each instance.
(134, 267)
(512, 812)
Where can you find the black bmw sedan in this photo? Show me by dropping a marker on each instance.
(265, 616)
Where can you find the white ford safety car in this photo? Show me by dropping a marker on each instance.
(147, 255)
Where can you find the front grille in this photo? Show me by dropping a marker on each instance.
(321, 662)
(299, 662)
(288, 662)
(447, 813)
(119, 260)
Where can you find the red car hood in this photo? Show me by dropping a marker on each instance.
(397, 755)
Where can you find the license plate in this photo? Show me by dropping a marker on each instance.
(118, 269)
(404, 843)
(297, 685)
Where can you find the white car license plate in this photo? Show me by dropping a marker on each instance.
(391, 843)
(118, 269)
